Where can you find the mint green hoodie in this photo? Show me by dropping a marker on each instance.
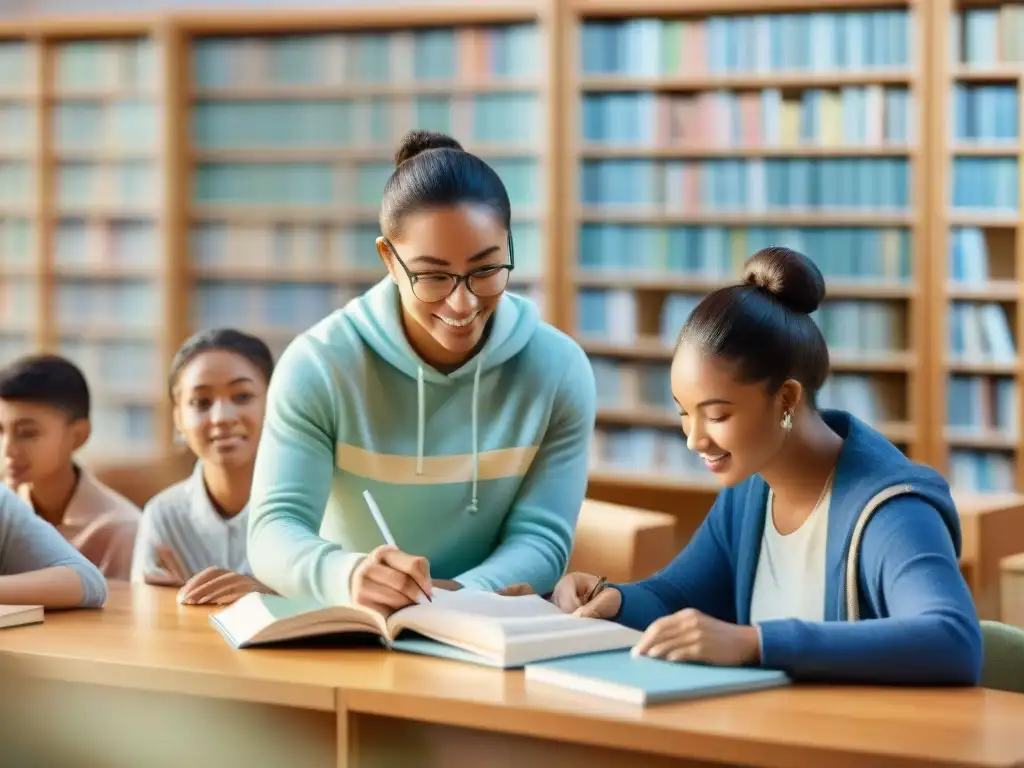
(482, 471)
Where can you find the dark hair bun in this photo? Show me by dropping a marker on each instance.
(793, 279)
(415, 142)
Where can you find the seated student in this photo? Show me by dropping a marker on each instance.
(193, 534)
(465, 415)
(44, 419)
(765, 579)
(38, 566)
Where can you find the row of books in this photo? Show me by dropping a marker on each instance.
(17, 126)
(129, 184)
(17, 241)
(120, 125)
(465, 54)
(816, 41)
(646, 451)
(683, 186)
(514, 118)
(122, 430)
(981, 471)
(127, 64)
(850, 326)
(310, 247)
(986, 36)
(17, 182)
(852, 116)
(713, 252)
(292, 184)
(968, 256)
(16, 66)
(129, 304)
(980, 332)
(124, 367)
(17, 303)
(984, 112)
(983, 403)
(106, 243)
(986, 182)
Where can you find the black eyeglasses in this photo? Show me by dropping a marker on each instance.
(486, 282)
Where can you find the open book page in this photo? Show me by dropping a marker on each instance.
(258, 618)
(508, 629)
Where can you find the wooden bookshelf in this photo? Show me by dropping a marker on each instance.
(673, 73)
(20, 281)
(319, 106)
(978, 244)
(290, 236)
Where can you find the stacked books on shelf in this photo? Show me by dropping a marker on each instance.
(106, 258)
(703, 138)
(19, 278)
(983, 245)
(294, 137)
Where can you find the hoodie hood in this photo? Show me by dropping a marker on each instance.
(377, 318)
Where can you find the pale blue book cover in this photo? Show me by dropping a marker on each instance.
(643, 680)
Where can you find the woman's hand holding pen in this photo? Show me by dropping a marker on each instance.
(585, 595)
(388, 579)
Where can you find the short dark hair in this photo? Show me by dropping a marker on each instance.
(251, 348)
(433, 170)
(764, 324)
(47, 379)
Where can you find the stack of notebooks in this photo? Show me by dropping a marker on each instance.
(585, 655)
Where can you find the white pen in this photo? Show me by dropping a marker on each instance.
(375, 511)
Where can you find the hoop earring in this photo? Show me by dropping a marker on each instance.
(787, 421)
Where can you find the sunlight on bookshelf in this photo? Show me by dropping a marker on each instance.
(106, 253)
(984, 246)
(700, 139)
(293, 137)
(19, 275)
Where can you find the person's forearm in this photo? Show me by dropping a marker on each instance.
(58, 587)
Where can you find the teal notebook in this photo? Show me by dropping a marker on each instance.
(643, 680)
(478, 627)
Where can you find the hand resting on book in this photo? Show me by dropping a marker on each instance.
(218, 586)
(389, 579)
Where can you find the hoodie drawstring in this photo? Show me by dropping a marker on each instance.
(420, 416)
(421, 423)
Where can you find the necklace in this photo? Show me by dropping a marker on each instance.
(821, 496)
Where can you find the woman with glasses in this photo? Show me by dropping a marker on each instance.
(437, 397)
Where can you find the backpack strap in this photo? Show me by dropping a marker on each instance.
(853, 554)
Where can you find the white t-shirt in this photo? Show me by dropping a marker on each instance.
(183, 518)
(790, 578)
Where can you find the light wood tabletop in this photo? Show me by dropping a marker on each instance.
(144, 641)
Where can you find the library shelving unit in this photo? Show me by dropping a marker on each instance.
(701, 131)
(102, 235)
(20, 310)
(978, 243)
(293, 123)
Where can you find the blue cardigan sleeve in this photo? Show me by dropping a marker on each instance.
(701, 577)
(931, 634)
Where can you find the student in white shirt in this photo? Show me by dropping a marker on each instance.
(193, 534)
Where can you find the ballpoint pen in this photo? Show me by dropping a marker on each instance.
(385, 531)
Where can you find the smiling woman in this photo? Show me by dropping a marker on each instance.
(466, 416)
(192, 534)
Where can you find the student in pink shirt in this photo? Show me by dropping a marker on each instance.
(44, 420)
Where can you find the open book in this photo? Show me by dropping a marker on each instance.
(480, 627)
(18, 615)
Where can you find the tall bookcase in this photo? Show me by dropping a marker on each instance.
(19, 195)
(703, 131)
(293, 126)
(978, 244)
(186, 169)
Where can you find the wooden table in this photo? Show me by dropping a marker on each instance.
(146, 682)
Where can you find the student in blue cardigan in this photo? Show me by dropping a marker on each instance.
(765, 579)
